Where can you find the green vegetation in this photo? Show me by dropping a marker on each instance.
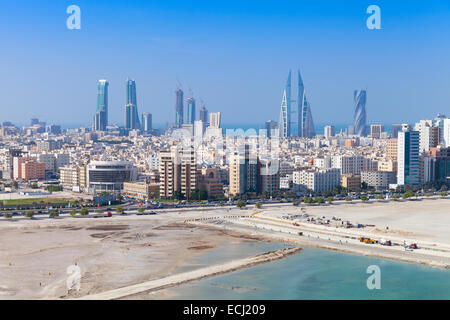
(54, 188)
(308, 200)
(33, 201)
(379, 197)
(364, 198)
(29, 214)
(330, 200)
(296, 203)
(34, 186)
(119, 209)
(84, 212)
(73, 213)
(348, 199)
(53, 213)
(443, 194)
(7, 215)
(319, 200)
(99, 211)
(241, 204)
(258, 205)
(396, 196)
(141, 210)
(408, 194)
(428, 194)
(199, 194)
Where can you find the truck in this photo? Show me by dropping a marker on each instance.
(384, 242)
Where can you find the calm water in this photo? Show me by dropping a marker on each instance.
(312, 274)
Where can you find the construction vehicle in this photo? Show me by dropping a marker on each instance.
(367, 240)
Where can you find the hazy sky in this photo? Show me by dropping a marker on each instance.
(235, 55)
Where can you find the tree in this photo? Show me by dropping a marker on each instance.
(364, 198)
(73, 213)
(396, 196)
(444, 188)
(15, 184)
(308, 200)
(258, 205)
(84, 212)
(53, 213)
(408, 194)
(428, 194)
(29, 214)
(330, 200)
(34, 186)
(7, 215)
(141, 210)
(319, 200)
(99, 211)
(443, 194)
(119, 209)
(379, 197)
(348, 199)
(364, 185)
(240, 204)
(296, 203)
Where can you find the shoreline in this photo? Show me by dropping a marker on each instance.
(198, 274)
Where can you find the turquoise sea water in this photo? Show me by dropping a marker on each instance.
(312, 274)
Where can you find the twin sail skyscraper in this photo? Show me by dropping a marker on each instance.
(304, 122)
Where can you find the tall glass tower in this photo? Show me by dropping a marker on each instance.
(285, 112)
(203, 114)
(179, 108)
(190, 111)
(131, 112)
(101, 115)
(305, 119)
(359, 122)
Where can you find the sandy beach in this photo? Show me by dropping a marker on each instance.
(129, 250)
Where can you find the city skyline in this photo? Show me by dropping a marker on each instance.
(344, 46)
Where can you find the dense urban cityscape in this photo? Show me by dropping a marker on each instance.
(198, 160)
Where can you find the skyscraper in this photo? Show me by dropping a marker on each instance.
(146, 122)
(203, 114)
(305, 120)
(178, 108)
(101, 116)
(131, 112)
(214, 120)
(359, 123)
(305, 123)
(190, 111)
(285, 112)
(408, 157)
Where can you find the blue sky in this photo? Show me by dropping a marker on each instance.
(234, 55)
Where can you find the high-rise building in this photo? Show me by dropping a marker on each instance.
(146, 122)
(131, 111)
(101, 116)
(396, 128)
(446, 135)
(305, 119)
(243, 173)
(329, 131)
(190, 111)
(408, 157)
(428, 135)
(270, 126)
(214, 120)
(392, 149)
(376, 130)
(203, 114)
(285, 112)
(359, 123)
(179, 108)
